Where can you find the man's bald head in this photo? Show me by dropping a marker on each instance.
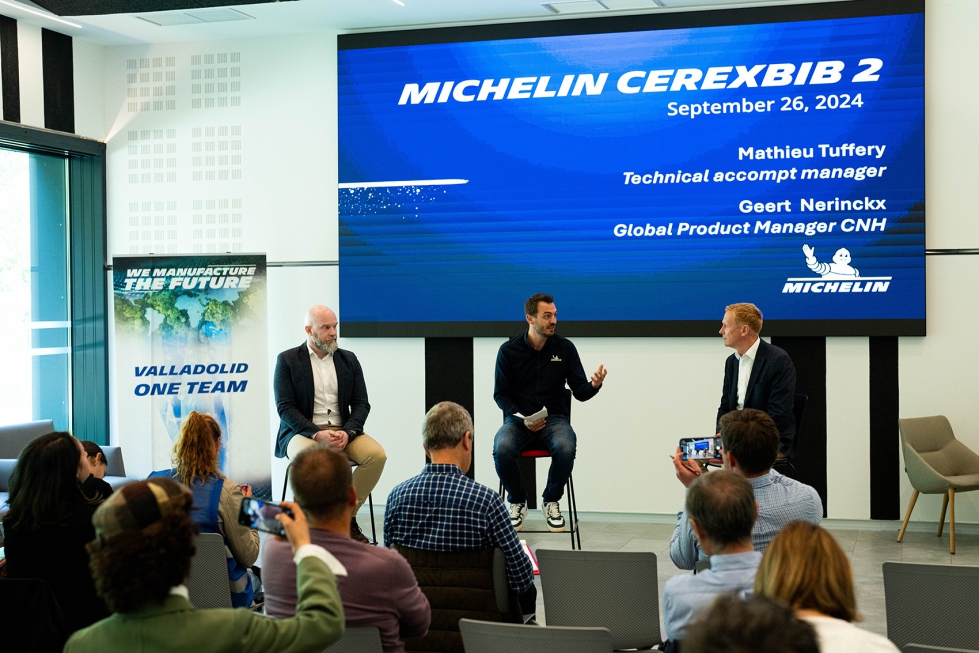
(321, 329)
(319, 314)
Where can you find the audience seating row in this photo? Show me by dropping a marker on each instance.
(14, 437)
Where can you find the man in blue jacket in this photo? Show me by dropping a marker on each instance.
(532, 370)
(757, 375)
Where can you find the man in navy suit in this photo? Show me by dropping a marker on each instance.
(321, 397)
(757, 375)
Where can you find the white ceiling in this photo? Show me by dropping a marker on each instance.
(303, 16)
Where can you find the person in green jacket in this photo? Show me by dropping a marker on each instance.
(141, 557)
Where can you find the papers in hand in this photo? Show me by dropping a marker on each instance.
(530, 419)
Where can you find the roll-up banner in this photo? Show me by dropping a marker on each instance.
(191, 335)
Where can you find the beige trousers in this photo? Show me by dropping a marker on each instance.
(363, 450)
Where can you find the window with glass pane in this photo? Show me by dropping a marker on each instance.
(34, 303)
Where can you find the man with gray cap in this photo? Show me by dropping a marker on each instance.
(141, 557)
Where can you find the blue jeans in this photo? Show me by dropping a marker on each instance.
(513, 437)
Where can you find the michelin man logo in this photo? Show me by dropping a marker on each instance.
(840, 268)
(838, 276)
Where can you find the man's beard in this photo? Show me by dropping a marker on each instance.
(327, 347)
(541, 331)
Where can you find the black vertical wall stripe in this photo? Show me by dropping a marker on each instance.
(449, 376)
(59, 84)
(9, 69)
(809, 356)
(885, 441)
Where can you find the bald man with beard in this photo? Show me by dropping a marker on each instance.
(321, 396)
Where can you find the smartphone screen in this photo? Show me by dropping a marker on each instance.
(260, 515)
(701, 448)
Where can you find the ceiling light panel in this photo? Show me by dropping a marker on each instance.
(629, 5)
(166, 19)
(218, 15)
(576, 7)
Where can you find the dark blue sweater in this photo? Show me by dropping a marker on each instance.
(528, 380)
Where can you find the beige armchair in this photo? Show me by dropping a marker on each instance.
(937, 463)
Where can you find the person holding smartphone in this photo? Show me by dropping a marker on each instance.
(141, 556)
(749, 447)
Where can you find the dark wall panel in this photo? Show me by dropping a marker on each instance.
(9, 69)
(59, 84)
(449, 376)
(885, 442)
(809, 356)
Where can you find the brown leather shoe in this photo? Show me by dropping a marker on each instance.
(356, 533)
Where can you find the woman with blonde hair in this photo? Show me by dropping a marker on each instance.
(216, 499)
(805, 568)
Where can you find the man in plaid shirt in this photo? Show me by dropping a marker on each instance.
(442, 509)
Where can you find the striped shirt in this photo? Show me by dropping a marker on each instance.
(780, 500)
(442, 509)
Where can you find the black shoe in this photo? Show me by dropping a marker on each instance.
(356, 533)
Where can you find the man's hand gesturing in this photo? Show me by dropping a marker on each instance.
(598, 377)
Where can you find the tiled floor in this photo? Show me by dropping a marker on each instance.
(868, 550)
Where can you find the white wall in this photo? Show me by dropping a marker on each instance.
(31, 74)
(88, 78)
(658, 390)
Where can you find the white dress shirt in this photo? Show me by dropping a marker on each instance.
(745, 362)
(326, 402)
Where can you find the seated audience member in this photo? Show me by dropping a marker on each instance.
(722, 511)
(758, 625)
(141, 557)
(749, 441)
(216, 499)
(380, 590)
(806, 568)
(50, 522)
(94, 485)
(442, 509)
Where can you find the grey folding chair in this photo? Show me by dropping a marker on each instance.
(934, 605)
(491, 637)
(208, 582)
(921, 648)
(603, 589)
(115, 468)
(358, 640)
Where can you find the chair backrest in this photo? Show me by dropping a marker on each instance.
(208, 582)
(114, 466)
(6, 469)
(798, 408)
(932, 454)
(488, 637)
(921, 648)
(603, 589)
(14, 437)
(358, 640)
(934, 605)
(463, 584)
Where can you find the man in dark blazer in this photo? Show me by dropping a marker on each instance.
(768, 381)
(321, 397)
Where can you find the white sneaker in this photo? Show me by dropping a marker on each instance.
(517, 513)
(553, 517)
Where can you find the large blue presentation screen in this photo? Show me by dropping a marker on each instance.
(646, 173)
